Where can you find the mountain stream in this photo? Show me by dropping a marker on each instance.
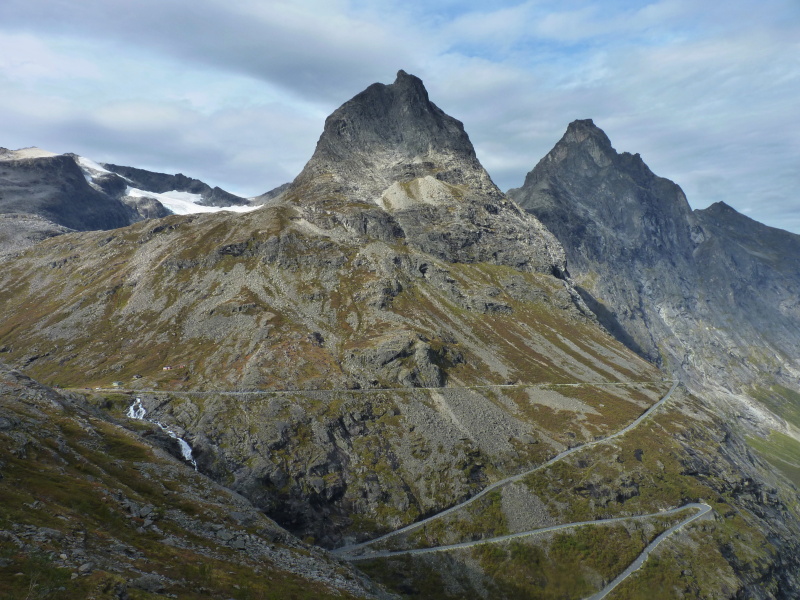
(138, 412)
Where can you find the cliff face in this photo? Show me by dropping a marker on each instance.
(709, 293)
(393, 134)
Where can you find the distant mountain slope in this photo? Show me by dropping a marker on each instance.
(709, 293)
(55, 188)
(43, 194)
(161, 182)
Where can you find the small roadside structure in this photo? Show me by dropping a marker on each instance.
(116, 384)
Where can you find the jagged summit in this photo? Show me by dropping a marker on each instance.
(584, 190)
(580, 129)
(393, 165)
(608, 208)
(587, 149)
(391, 134)
(399, 116)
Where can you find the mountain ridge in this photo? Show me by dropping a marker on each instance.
(646, 261)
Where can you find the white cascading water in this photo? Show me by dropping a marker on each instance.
(137, 411)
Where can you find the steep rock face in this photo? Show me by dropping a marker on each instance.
(709, 293)
(621, 226)
(390, 147)
(391, 134)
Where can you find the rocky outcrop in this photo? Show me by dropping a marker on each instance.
(391, 134)
(21, 231)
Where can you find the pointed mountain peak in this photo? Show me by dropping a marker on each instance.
(581, 130)
(720, 212)
(391, 134)
(403, 79)
(585, 148)
(721, 207)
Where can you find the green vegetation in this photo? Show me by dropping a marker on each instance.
(568, 564)
(781, 451)
(782, 401)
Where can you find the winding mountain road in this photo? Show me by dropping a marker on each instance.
(635, 565)
(360, 552)
(348, 551)
(703, 509)
(354, 391)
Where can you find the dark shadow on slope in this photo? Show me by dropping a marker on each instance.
(609, 320)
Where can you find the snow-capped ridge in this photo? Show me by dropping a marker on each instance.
(184, 203)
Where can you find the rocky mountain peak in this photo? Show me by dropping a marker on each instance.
(615, 218)
(583, 185)
(721, 210)
(587, 149)
(581, 129)
(398, 117)
(667, 281)
(391, 134)
(391, 165)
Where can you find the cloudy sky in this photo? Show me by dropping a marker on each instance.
(235, 92)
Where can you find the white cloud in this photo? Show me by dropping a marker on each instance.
(25, 59)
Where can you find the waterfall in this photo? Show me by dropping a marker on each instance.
(138, 412)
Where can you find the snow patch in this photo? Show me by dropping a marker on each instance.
(93, 168)
(184, 203)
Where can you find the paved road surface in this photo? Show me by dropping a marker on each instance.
(702, 510)
(354, 391)
(349, 550)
